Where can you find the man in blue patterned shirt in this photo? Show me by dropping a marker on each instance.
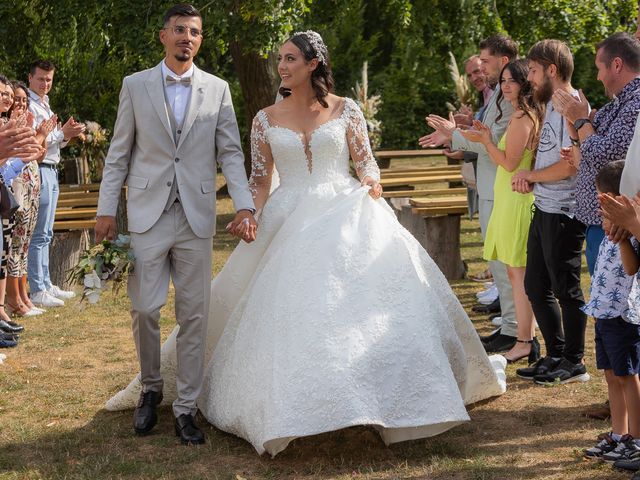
(606, 136)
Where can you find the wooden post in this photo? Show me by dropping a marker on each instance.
(64, 253)
(440, 237)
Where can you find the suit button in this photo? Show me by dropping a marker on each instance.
(179, 132)
(176, 159)
(168, 184)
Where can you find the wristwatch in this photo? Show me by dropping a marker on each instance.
(578, 124)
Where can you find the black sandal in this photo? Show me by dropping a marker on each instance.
(533, 355)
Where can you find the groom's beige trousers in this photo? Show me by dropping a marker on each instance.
(170, 250)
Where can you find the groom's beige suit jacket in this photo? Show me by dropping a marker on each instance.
(144, 153)
(170, 170)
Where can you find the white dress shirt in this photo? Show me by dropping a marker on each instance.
(177, 93)
(55, 140)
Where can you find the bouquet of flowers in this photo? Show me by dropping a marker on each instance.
(107, 261)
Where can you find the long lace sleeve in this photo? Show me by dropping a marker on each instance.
(358, 140)
(261, 161)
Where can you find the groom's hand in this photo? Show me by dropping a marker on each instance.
(243, 226)
(105, 228)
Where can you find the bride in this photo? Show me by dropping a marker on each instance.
(335, 316)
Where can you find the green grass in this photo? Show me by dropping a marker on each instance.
(71, 360)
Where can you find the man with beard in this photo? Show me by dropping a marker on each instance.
(495, 52)
(605, 137)
(552, 279)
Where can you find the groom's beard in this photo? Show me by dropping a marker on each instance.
(182, 57)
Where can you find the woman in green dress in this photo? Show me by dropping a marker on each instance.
(508, 229)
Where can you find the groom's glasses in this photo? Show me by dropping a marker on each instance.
(181, 30)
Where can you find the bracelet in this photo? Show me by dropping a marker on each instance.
(575, 141)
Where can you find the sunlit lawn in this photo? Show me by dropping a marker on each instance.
(71, 360)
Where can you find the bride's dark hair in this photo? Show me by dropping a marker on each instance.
(321, 78)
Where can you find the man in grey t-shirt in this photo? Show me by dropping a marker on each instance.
(554, 247)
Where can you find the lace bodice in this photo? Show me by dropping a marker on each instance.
(324, 159)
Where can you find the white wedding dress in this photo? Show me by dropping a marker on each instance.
(335, 316)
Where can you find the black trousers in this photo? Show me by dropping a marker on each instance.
(552, 282)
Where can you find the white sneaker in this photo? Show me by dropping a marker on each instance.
(497, 321)
(489, 296)
(489, 288)
(45, 299)
(57, 292)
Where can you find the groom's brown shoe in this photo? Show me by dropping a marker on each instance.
(188, 431)
(145, 416)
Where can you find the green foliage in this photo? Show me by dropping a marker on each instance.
(405, 42)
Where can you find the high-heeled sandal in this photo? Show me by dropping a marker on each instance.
(20, 310)
(533, 355)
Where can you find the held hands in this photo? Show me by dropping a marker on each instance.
(520, 182)
(105, 228)
(570, 107)
(480, 133)
(243, 226)
(376, 188)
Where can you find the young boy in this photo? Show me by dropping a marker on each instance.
(617, 332)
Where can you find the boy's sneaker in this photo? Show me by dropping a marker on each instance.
(564, 372)
(61, 294)
(626, 449)
(544, 365)
(605, 444)
(45, 299)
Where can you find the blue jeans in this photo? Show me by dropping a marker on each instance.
(38, 260)
(594, 235)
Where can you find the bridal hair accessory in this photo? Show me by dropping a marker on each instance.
(316, 42)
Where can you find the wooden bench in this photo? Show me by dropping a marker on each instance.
(429, 203)
(424, 192)
(384, 157)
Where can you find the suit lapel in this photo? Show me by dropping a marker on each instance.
(155, 88)
(198, 90)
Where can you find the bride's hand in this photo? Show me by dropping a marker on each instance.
(243, 226)
(376, 188)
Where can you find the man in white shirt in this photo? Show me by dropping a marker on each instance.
(43, 292)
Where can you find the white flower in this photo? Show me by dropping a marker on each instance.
(92, 281)
(93, 295)
(123, 240)
(92, 127)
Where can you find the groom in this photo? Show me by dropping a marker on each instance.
(174, 121)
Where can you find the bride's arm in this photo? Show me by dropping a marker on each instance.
(360, 149)
(261, 163)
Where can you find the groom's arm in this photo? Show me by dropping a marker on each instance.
(116, 166)
(230, 156)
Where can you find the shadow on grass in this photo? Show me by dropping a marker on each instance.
(485, 448)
